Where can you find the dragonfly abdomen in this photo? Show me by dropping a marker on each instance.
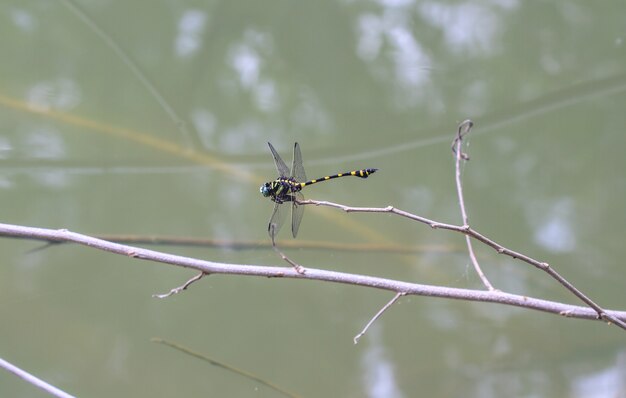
(363, 173)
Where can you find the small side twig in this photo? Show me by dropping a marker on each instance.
(179, 289)
(463, 130)
(378, 314)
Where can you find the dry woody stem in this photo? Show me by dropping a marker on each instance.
(590, 311)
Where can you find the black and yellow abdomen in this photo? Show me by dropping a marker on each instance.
(363, 173)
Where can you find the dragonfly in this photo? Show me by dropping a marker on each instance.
(285, 191)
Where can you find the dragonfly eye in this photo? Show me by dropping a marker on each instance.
(265, 189)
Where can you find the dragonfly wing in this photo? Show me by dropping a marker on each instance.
(297, 211)
(297, 169)
(277, 220)
(281, 167)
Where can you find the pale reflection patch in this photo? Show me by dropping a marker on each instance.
(609, 382)
(396, 3)
(5, 147)
(205, 124)
(24, 20)
(247, 64)
(554, 231)
(189, 37)
(392, 30)
(44, 143)
(247, 60)
(245, 57)
(466, 27)
(234, 139)
(56, 94)
(409, 56)
(6, 182)
(309, 113)
(370, 37)
(52, 178)
(378, 371)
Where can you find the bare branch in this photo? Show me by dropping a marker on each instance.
(567, 310)
(37, 382)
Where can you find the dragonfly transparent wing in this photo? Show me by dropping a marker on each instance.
(281, 167)
(277, 220)
(297, 211)
(297, 169)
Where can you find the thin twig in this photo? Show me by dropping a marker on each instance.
(37, 382)
(464, 129)
(210, 267)
(179, 289)
(299, 269)
(133, 67)
(378, 314)
(222, 365)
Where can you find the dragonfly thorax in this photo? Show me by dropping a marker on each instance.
(281, 189)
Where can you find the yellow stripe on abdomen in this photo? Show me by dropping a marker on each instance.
(363, 173)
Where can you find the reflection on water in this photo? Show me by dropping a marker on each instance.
(379, 378)
(46, 143)
(190, 29)
(471, 29)
(59, 94)
(607, 382)
(555, 232)
(23, 19)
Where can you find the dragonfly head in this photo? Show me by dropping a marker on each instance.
(266, 189)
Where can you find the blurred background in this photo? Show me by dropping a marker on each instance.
(151, 118)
